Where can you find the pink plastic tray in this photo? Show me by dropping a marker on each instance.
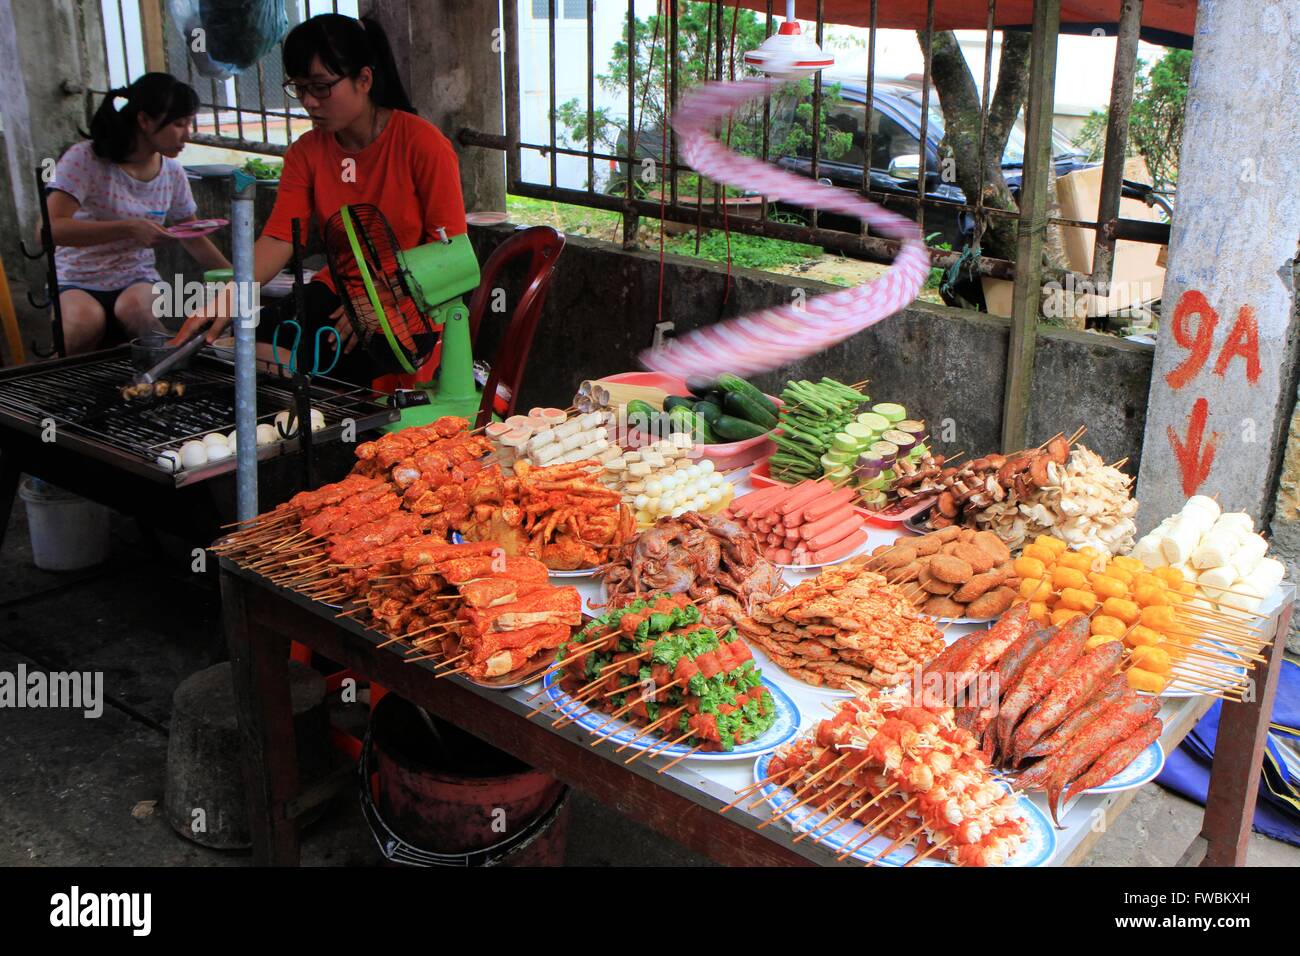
(725, 456)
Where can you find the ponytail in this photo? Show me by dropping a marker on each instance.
(159, 96)
(345, 47)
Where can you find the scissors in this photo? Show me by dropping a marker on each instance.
(297, 340)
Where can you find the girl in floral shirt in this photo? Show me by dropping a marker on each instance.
(111, 198)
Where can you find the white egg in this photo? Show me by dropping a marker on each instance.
(715, 480)
(282, 425)
(267, 435)
(232, 440)
(169, 461)
(714, 495)
(214, 438)
(654, 487)
(693, 471)
(317, 420)
(218, 452)
(668, 502)
(193, 454)
(706, 466)
(644, 517)
(651, 504)
(699, 503)
(639, 502)
(678, 512)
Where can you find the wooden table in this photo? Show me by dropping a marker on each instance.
(262, 619)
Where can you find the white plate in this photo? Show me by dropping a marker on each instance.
(1186, 688)
(769, 666)
(783, 728)
(1037, 851)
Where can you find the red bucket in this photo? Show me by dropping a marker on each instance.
(442, 797)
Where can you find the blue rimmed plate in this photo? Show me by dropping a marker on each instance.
(1145, 767)
(783, 728)
(1038, 850)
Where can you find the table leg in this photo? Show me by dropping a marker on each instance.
(1238, 758)
(9, 476)
(259, 662)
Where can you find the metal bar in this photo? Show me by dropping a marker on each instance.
(510, 26)
(550, 39)
(216, 119)
(239, 112)
(870, 105)
(241, 229)
(630, 222)
(247, 145)
(261, 101)
(126, 54)
(1112, 163)
(925, 113)
(591, 97)
(672, 67)
(874, 248)
(767, 119)
(1033, 225)
(985, 94)
(108, 69)
(817, 108)
(719, 44)
(151, 31)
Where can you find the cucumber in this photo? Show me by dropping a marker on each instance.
(736, 385)
(742, 406)
(641, 416)
(729, 428)
(682, 419)
(678, 401)
(699, 386)
(708, 411)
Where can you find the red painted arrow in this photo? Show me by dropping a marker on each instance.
(1192, 461)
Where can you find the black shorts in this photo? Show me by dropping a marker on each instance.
(107, 298)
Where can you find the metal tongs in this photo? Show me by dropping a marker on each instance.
(184, 352)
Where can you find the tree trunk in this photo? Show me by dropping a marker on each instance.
(960, 102)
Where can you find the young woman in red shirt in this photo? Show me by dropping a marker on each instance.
(366, 145)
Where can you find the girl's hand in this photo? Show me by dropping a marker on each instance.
(146, 232)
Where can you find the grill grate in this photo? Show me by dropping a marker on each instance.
(82, 396)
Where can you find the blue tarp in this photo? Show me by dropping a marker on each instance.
(1277, 812)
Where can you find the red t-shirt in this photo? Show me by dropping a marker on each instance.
(410, 172)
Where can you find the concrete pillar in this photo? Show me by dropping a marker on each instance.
(1224, 379)
(51, 51)
(450, 51)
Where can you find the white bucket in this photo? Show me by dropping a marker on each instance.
(68, 532)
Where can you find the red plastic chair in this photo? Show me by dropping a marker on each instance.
(543, 246)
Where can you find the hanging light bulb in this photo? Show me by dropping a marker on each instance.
(789, 54)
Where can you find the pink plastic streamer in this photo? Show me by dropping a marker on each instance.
(779, 336)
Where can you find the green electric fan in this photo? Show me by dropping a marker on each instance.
(400, 301)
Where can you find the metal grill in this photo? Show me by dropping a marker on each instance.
(80, 400)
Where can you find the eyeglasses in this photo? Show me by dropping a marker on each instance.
(319, 91)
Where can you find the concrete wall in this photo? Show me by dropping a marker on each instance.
(941, 363)
(50, 51)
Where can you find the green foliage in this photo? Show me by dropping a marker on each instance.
(1159, 105)
(697, 44)
(1156, 121)
(261, 169)
(751, 252)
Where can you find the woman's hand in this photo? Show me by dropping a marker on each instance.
(146, 232)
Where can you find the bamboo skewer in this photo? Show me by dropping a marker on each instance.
(933, 847)
(649, 727)
(834, 814)
(900, 842)
(807, 786)
(857, 813)
(744, 792)
(870, 832)
(673, 763)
